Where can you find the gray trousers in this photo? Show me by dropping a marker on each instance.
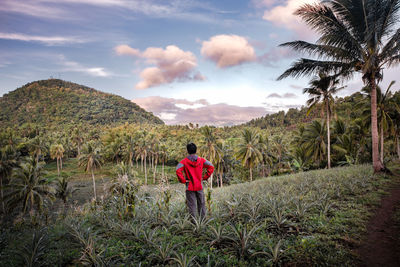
(196, 203)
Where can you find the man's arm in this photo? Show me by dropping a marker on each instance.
(179, 172)
(210, 169)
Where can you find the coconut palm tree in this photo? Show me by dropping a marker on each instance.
(321, 90)
(90, 159)
(29, 186)
(314, 140)
(38, 147)
(384, 104)
(129, 148)
(8, 160)
(355, 36)
(57, 152)
(209, 148)
(248, 150)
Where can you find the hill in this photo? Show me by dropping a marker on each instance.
(55, 101)
(345, 109)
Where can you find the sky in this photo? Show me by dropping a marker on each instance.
(200, 61)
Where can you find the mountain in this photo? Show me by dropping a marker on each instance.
(54, 101)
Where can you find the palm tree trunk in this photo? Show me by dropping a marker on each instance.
(61, 163)
(398, 147)
(145, 172)
(211, 180)
(251, 174)
(94, 186)
(154, 172)
(220, 177)
(376, 163)
(2, 195)
(162, 169)
(382, 140)
(329, 135)
(58, 168)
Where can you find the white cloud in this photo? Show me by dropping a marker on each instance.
(282, 16)
(228, 50)
(72, 66)
(48, 40)
(171, 64)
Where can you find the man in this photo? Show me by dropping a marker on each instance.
(193, 166)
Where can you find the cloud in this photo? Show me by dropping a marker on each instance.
(126, 50)
(72, 66)
(66, 9)
(282, 16)
(171, 64)
(273, 56)
(48, 40)
(32, 8)
(263, 3)
(228, 50)
(286, 95)
(182, 111)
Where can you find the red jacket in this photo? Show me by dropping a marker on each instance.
(193, 167)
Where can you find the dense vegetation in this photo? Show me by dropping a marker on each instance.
(137, 215)
(55, 102)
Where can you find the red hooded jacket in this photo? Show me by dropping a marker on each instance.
(193, 166)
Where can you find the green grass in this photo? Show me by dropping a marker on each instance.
(310, 218)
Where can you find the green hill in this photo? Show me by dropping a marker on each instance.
(345, 108)
(54, 101)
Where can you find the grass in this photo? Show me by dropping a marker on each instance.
(310, 218)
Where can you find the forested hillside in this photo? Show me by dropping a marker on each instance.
(53, 101)
(344, 107)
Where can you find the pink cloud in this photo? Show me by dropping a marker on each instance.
(126, 50)
(200, 111)
(171, 64)
(282, 16)
(228, 50)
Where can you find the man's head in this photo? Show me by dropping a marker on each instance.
(191, 148)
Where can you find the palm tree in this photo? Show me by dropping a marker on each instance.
(321, 90)
(90, 159)
(29, 186)
(209, 148)
(384, 103)
(129, 148)
(142, 152)
(63, 191)
(57, 152)
(37, 147)
(8, 160)
(356, 36)
(248, 150)
(314, 140)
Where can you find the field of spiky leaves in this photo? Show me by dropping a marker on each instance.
(304, 219)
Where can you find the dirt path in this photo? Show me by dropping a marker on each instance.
(382, 244)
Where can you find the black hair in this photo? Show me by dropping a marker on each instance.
(191, 148)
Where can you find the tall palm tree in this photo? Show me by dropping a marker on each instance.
(57, 152)
(321, 90)
(129, 148)
(8, 160)
(210, 148)
(90, 159)
(248, 150)
(29, 186)
(384, 104)
(356, 36)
